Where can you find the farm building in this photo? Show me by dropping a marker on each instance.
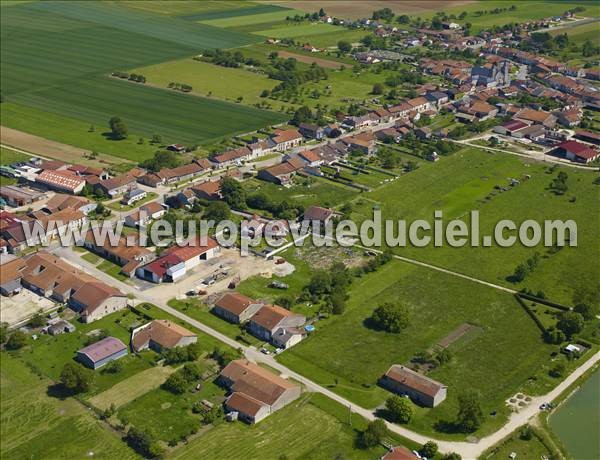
(102, 352)
(96, 299)
(399, 453)
(235, 307)
(161, 334)
(255, 392)
(16, 196)
(145, 214)
(10, 277)
(115, 185)
(133, 195)
(422, 390)
(270, 318)
(576, 151)
(61, 181)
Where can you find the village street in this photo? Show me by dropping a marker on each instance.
(467, 450)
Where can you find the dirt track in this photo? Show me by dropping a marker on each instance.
(51, 149)
(364, 9)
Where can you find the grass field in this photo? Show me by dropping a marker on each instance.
(305, 429)
(315, 191)
(348, 356)
(168, 416)
(221, 82)
(9, 156)
(466, 181)
(526, 10)
(532, 449)
(297, 30)
(132, 388)
(35, 425)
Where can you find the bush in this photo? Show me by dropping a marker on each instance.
(429, 449)
(570, 323)
(374, 433)
(17, 339)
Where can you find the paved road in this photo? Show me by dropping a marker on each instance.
(467, 450)
(530, 154)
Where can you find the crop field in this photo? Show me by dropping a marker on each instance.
(467, 181)
(232, 20)
(36, 425)
(581, 33)
(75, 83)
(311, 428)
(349, 355)
(57, 135)
(238, 11)
(364, 9)
(331, 39)
(210, 80)
(182, 8)
(293, 31)
(184, 118)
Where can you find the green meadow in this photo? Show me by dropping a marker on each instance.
(472, 180)
(36, 425)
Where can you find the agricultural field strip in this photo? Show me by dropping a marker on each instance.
(233, 12)
(198, 36)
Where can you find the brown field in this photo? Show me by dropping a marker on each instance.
(326, 63)
(50, 149)
(361, 9)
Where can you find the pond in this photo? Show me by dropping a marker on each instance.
(577, 421)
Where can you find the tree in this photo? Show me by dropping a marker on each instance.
(344, 46)
(570, 323)
(37, 320)
(156, 139)
(374, 433)
(391, 317)
(17, 339)
(76, 378)
(162, 159)
(470, 415)
(176, 383)
(403, 19)
(436, 23)
(377, 89)
(429, 449)
(118, 128)
(587, 311)
(114, 367)
(217, 211)
(302, 115)
(233, 193)
(526, 433)
(399, 409)
(224, 357)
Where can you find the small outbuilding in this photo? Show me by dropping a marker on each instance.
(102, 352)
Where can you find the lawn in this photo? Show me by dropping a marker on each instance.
(210, 80)
(467, 181)
(310, 428)
(348, 356)
(166, 415)
(306, 192)
(35, 425)
(532, 449)
(196, 309)
(49, 353)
